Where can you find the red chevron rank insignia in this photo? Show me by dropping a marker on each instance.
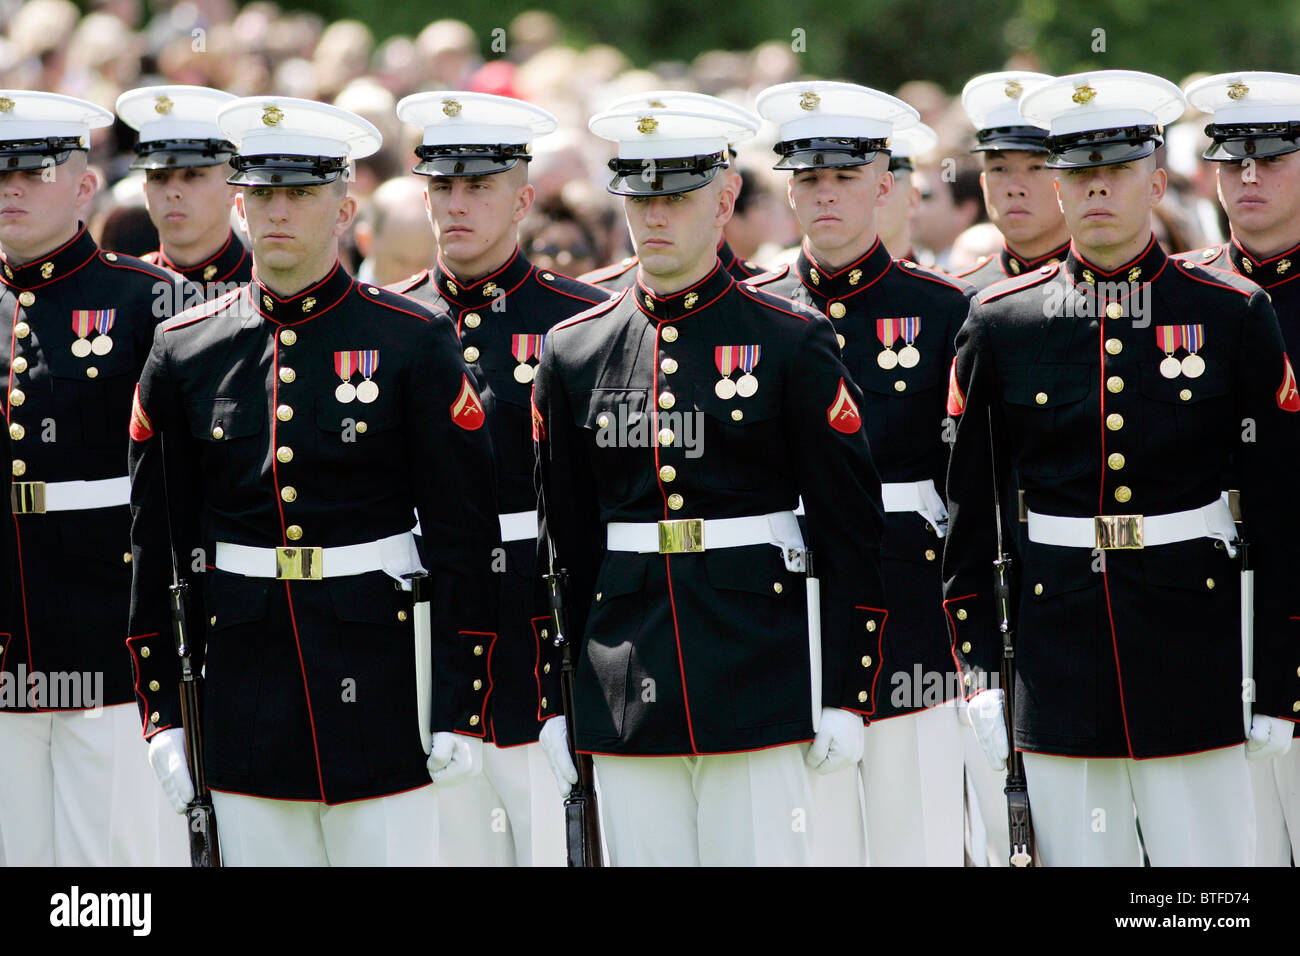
(843, 414)
(467, 410)
(1288, 398)
(141, 427)
(956, 400)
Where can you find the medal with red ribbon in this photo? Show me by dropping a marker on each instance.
(525, 347)
(1170, 340)
(345, 364)
(887, 332)
(724, 357)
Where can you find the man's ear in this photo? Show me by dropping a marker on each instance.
(1159, 183)
(726, 206)
(525, 196)
(347, 213)
(87, 186)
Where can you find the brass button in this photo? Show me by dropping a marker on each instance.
(22, 330)
(667, 400)
(92, 372)
(213, 620)
(20, 365)
(471, 354)
(218, 433)
(401, 615)
(666, 436)
(602, 420)
(19, 467)
(144, 651)
(965, 647)
(17, 397)
(289, 493)
(1038, 589)
(1209, 584)
(293, 532)
(544, 704)
(1115, 384)
(153, 685)
(668, 366)
(472, 320)
(929, 554)
(599, 594)
(1041, 398)
(545, 633)
(1123, 493)
(478, 650)
(1295, 707)
(675, 502)
(1114, 311)
(840, 339)
(284, 413)
(473, 721)
(961, 614)
(478, 684)
(284, 454)
(1114, 421)
(16, 432)
(900, 386)
(667, 473)
(111, 256)
(669, 334)
(361, 428)
(26, 299)
(288, 336)
(1114, 346)
(838, 310)
(862, 697)
(126, 557)
(776, 586)
(871, 626)
(1115, 461)
(1185, 394)
(154, 718)
(287, 374)
(737, 414)
(966, 680)
(546, 668)
(866, 661)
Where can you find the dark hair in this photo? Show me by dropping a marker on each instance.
(128, 230)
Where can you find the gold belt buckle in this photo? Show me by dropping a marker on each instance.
(27, 497)
(685, 536)
(298, 564)
(1118, 532)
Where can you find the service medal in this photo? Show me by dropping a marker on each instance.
(909, 356)
(724, 357)
(345, 363)
(887, 332)
(525, 347)
(368, 391)
(747, 384)
(1193, 339)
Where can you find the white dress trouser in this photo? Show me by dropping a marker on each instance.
(986, 804)
(510, 815)
(746, 809)
(397, 830)
(840, 837)
(1276, 786)
(1194, 810)
(912, 784)
(76, 789)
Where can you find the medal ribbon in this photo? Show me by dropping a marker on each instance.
(345, 363)
(911, 328)
(524, 347)
(104, 319)
(749, 355)
(887, 331)
(1169, 338)
(1193, 338)
(369, 362)
(81, 321)
(724, 357)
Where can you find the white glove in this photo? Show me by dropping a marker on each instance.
(554, 739)
(1269, 737)
(838, 743)
(454, 758)
(985, 713)
(167, 757)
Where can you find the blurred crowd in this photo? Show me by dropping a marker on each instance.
(576, 226)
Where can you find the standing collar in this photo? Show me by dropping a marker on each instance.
(218, 267)
(1264, 272)
(52, 266)
(852, 278)
(469, 294)
(306, 304)
(1141, 270)
(686, 301)
(1014, 264)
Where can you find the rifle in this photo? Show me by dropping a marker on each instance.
(581, 818)
(200, 815)
(1020, 824)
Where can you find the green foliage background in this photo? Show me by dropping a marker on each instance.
(887, 42)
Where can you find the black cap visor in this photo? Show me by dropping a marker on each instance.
(1233, 143)
(898, 164)
(1026, 139)
(182, 153)
(1103, 147)
(24, 154)
(663, 177)
(286, 170)
(827, 152)
(468, 160)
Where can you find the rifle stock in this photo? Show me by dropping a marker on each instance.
(200, 817)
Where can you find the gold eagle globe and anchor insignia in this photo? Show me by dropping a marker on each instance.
(163, 105)
(451, 107)
(646, 124)
(272, 115)
(6, 104)
(1083, 93)
(1013, 89)
(1237, 91)
(809, 101)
